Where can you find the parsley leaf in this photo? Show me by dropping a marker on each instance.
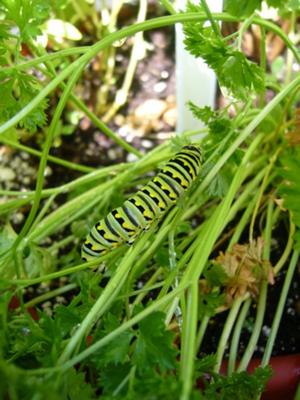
(154, 346)
(215, 275)
(239, 386)
(17, 91)
(242, 8)
(217, 122)
(26, 15)
(209, 302)
(234, 71)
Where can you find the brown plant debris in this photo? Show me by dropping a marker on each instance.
(293, 136)
(245, 268)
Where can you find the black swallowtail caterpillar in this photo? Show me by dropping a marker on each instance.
(124, 224)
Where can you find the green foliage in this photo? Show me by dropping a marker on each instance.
(218, 122)
(16, 384)
(245, 8)
(154, 346)
(18, 89)
(290, 188)
(215, 275)
(116, 351)
(240, 386)
(21, 24)
(27, 15)
(209, 302)
(205, 365)
(234, 71)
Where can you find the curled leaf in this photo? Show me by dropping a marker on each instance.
(245, 269)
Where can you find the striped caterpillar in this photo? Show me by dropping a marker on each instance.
(125, 223)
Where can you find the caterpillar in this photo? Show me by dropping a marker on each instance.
(125, 223)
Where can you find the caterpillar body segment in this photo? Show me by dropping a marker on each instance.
(125, 223)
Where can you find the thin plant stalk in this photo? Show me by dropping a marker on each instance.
(201, 332)
(128, 31)
(236, 336)
(156, 305)
(189, 339)
(43, 161)
(230, 321)
(106, 298)
(122, 94)
(49, 295)
(280, 307)
(262, 300)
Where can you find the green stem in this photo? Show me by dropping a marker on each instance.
(214, 25)
(147, 286)
(122, 94)
(256, 328)
(236, 336)
(106, 298)
(288, 248)
(47, 57)
(261, 192)
(242, 223)
(156, 305)
(37, 153)
(280, 308)
(61, 243)
(43, 211)
(168, 6)
(198, 261)
(43, 161)
(64, 272)
(201, 332)
(131, 30)
(262, 295)
(227, 330)
(243, 29)
(246, 132)
(189, 340)
(263, 62)
(96, 121)
(49, 295)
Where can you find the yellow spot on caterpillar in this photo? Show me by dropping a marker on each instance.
(87, 242)
(118, 215)
(106, 236)
(94, 248)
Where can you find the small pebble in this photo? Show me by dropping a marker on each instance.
(164, 74)
(6, 174)
(266, 330)
(147, 144)
(145, 77)
(160, 87)
(131, 157)
(170, 116)
(17, 218)
(151, 109)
